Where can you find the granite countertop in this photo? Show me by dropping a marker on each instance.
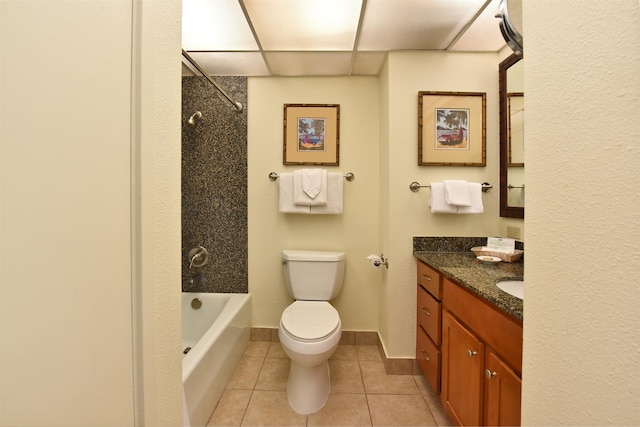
(478, 277)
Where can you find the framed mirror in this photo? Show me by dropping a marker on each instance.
(512, 145)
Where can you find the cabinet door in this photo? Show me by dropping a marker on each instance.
(462, 372)
(502, 393)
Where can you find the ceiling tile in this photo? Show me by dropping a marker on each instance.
(305, 25)
(484, 34)
(215, 25)
(414, 24)
(231, 63)
(368, 63)
(309, 63)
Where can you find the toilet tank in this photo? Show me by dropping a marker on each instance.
(313, 275)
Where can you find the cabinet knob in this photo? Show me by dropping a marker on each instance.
(471, 353)
(425, 277)
(489, 374)
(425, 311)
(425, 356)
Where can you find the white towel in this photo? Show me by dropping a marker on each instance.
(457, 192)
(334, 195)
(310, 187)
(285, 199)
(438, 201)
(475, 195)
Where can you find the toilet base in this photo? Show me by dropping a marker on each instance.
(308, 387)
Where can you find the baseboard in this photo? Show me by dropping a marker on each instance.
(391, 366)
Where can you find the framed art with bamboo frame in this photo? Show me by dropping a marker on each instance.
(452, 128)
(311, 134)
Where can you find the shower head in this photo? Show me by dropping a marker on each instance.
(193, 120)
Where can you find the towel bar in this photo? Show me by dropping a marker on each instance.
(415, 187)
(348, 176)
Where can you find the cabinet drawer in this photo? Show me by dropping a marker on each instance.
(429, 279)
(429, 358)
(429, 314)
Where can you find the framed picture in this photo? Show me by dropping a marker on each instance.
(452, 128)
(311, 134)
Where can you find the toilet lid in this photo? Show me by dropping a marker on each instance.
(310, 320)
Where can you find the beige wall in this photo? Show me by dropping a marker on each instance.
(379, 144)
(355, 231)
(408, 213)
(78, 220)
(581, 334)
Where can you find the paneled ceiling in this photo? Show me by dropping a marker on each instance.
(329, 37)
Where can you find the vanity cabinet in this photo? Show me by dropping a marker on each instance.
(428, 328)
(481, 360)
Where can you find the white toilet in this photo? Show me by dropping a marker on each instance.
(310, 328)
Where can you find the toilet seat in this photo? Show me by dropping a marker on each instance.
(310, 320)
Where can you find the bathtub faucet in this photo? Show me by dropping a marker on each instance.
(198, 256)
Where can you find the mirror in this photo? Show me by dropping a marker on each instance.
(512, 146)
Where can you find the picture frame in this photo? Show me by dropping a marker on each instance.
(311, 134)
(452, 128)
(515, 128)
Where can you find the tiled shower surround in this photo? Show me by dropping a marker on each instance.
(214, 185)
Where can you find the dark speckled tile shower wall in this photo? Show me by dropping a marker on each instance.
(214, 185)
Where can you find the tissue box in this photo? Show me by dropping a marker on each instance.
(516, 255)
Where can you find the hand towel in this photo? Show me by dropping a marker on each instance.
(475, 196)
(457, 192)
(285, 199)
(438, 201)
(334, 204)
(302, 179)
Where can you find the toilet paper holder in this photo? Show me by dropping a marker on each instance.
(377, 261)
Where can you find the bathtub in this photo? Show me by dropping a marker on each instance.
(214, 337)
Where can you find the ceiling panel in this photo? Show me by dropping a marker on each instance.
(218, 25)
(309, 63)
(414, 24)
(368, 63)
(232, 63)
(305, 25)
(484, 34)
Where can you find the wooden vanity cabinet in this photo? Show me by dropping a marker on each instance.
(481, 360)
(428, 328)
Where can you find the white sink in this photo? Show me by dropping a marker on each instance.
(513, 287)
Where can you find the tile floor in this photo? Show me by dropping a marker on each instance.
(362, 394)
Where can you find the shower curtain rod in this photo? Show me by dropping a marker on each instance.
(237, 105)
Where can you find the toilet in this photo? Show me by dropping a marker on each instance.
(310, 327)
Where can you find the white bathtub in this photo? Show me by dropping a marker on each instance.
(218, 334)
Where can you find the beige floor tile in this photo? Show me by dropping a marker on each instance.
(368, 352)
(275, 350)
(231, 408)
(256, 349)
(342, 410)
(433, 401)
(274, 374)
(376, 381)
(399, 410)
(246, 373)
(345, 352)
(271, 408)
(345, 376)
